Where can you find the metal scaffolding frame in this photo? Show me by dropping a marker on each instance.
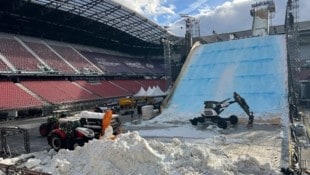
(293, 53)
(291, 29)
(167, 44)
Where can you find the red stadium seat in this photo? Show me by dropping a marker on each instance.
(59, 92)
(130, 85)
(48, 56)
(13, 97)
(4, 67)
(18, 55)
(110, 64)
(76, 60)
(105, 89)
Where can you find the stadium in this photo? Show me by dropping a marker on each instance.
(119, 53)
(78, 55)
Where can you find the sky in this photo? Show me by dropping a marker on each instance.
(222, 16)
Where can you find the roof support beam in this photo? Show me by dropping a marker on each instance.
(83, 8)
(102, 14)
(120, 19)
(133, 24)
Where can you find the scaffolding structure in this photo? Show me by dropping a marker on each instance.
(167, 44)
(192, 30)
(293, 53)
(291, 29)
(262, 13)
(192, 26)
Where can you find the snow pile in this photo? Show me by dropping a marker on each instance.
(131, 154)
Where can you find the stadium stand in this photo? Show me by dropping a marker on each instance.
(75, 59)
(135, 65)
(20, 58)
(156, 66)
(110, 64)
(3, 67)
(132, 86)
(117, 64)
(105, 89)
(54, 61)
(59, 92)
(13, 97)
(70, 56)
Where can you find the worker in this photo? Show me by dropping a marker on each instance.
(106, 128)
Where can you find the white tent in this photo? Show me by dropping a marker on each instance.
(155, 92)
(141, 92)
(150, 91)
(158, 92)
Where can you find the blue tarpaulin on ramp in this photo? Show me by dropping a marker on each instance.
(255, 67)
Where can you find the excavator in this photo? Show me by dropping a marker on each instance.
(212, 110)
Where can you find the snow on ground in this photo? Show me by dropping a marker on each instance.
(182, 149)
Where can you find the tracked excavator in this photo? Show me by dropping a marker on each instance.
(213, 109)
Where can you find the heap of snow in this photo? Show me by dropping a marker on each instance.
(131, 154)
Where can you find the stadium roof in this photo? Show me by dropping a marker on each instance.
(111, 14)
(102, 21)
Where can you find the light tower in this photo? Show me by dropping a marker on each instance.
(262, 13)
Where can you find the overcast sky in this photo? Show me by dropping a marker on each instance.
(223, 16)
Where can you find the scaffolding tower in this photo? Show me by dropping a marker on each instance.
(167, 44)
(293, 53)
(192, 30)
(291, 29)
(262, 13)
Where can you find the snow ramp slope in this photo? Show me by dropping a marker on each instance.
(256, 68)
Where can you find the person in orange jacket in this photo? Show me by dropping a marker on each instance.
(106, 128)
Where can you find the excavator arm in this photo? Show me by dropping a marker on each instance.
(243, 104)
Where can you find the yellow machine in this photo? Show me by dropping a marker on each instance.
(126, 102)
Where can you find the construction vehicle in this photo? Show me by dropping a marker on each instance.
(213, 109)
(126, 106)
(69, 134)
(126, 102)
(79, 129)
(93, 120)
(52, 122)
